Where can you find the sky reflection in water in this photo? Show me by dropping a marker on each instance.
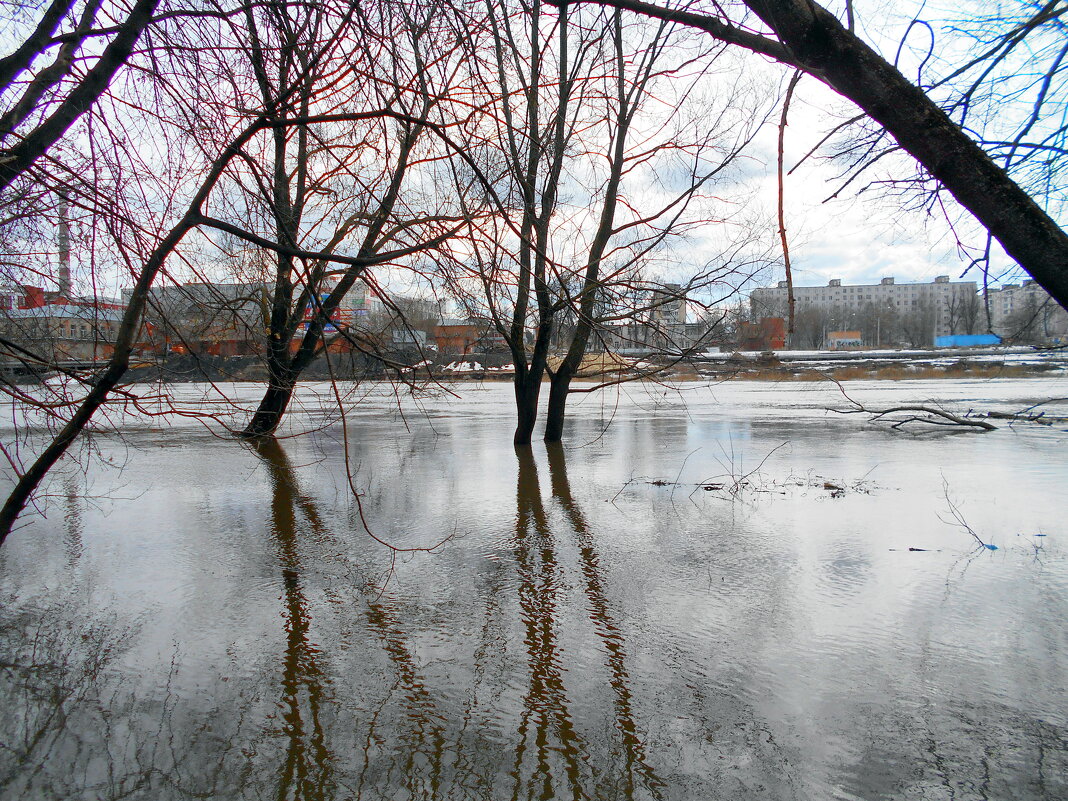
(606, 620)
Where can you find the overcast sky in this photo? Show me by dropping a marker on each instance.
(862, 238)
(858, 238)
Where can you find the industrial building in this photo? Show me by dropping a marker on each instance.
(54, 327)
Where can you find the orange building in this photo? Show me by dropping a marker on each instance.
(768, 334)
(842, 340)
(456, 337)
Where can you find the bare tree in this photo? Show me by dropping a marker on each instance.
(381, 57)
(811, 324)
(962, 313)
(917, 323)
(151, 228)
(1027, 324)
(590, 108)
(807, 36)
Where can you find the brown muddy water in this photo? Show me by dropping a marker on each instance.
(705, 595)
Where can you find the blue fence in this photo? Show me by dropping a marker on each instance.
(967, 340)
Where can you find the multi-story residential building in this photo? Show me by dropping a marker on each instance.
(1026, 312)
(667, 305)
(917, 312)
(641, 338)
(653, 321)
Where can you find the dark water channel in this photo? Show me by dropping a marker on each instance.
(712, 597)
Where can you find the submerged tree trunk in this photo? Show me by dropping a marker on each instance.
(561, 379)
(555, 414)
(528, 376)
(272, 407)
(527, 392)
(284, 369)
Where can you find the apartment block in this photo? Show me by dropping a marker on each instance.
(950, 306)
(1027, 312)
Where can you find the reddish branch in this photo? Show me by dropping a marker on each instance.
(18, 158)
(126, 335)
(782, 213)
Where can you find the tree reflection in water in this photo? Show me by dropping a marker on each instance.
(411, 743)
(545, 707)
(507, 666)
(306, 772)
(609, 633)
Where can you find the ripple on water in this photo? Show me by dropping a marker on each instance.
(743, 648)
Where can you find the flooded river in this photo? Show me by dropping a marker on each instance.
(726, 593)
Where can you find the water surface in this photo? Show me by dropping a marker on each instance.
(703, 595)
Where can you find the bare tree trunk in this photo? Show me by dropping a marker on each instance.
(556, 412)
(527, 392)
(561, 379)
(790, 301)
(272, 407)
(527, 381)
(36, 43)
(560, 383)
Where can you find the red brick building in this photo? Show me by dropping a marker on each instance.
(768, 334)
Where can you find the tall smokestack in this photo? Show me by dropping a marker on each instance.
(64, 248)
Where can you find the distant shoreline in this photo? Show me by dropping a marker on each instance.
(883, 365)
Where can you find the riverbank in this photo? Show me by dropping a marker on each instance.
(883, 365)
(886, 365)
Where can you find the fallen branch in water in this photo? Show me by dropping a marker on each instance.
(919, 413)
(1041, 418)
(959, 518)
(837, 488)
(1028, 415)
